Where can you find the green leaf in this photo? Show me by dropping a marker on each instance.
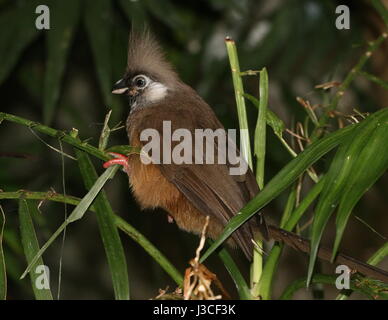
(31, 247)
(379, 255)
(3, 270)
(119, 222)
(281, 181)
(239, 281)
(337, 178)
(369, 165)
(109, 233)
(64, 17)
(260, 132)
(288, 225)
(76, 214)
(17, 31)
(98, 20)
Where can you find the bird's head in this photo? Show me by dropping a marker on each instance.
(149, 78)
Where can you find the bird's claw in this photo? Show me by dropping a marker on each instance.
(119, 159)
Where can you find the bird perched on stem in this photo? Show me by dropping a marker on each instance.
(189, 191)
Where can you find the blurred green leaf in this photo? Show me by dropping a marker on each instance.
(381, 9)
(3, 272)
(337, 179)
(98, 20)
(369, 164)
(76, 214)
(17, 31)
(64, 16)
(120, 223)
(281, 181)
(108, 230)
(136, 13)
(164, 11)
(31, 247)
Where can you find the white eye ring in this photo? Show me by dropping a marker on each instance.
(141, 81)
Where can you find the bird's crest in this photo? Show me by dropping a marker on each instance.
(146, 55)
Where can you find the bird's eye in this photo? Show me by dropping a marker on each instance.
(140, 81)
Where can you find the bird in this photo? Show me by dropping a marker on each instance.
(188, 192)
(191, 192)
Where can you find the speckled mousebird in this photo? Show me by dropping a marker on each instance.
(189, 192)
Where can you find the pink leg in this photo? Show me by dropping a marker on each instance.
(119, 159)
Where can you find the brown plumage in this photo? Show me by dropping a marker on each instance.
(190, 192)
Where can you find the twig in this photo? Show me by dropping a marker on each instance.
(346, 83)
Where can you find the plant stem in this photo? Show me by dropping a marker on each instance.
(240, 101)
(345, 85)
(119, 222)
(61, 135)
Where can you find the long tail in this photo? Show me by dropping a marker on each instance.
(301, 244)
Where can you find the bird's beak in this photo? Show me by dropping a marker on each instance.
(120, 87)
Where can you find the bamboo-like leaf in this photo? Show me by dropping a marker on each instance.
(31, 247)
(63, 19)
(275, 253)
(239, 281)
(3, 270)
(260, 132)
(109, 233)
(337, 178)
(98, 17)
(281, 181)
(17, 28)
(76, 214)
(369, 165)
(240, 102)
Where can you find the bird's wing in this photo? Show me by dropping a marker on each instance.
(209, 187)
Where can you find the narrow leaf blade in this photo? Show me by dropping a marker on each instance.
(31, 247)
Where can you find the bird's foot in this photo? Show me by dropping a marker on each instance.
(119, 159)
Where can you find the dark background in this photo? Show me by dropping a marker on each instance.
(296, 40)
